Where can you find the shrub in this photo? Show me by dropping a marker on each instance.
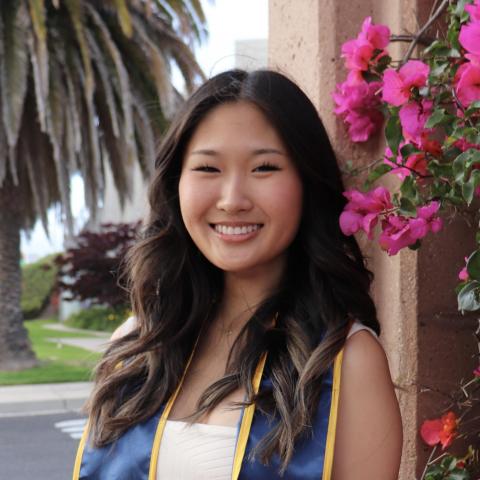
(99, 318)
(38, 283)
(90, 270)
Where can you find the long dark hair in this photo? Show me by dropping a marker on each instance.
(174, 288)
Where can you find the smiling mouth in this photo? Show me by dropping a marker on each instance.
(236, 230)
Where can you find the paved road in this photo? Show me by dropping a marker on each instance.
(39, 446)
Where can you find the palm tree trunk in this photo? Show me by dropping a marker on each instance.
(15, 349)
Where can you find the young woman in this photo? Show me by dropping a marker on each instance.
(252, 352)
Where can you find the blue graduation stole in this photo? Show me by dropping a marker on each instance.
(134, 455)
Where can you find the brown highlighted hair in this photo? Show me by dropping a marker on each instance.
(174, 289)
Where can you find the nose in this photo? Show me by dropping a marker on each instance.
(234, 196)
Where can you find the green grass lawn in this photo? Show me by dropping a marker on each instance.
(58, 363)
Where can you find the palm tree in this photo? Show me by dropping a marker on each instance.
(82, 83)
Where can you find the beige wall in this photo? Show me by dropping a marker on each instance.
(426, 340)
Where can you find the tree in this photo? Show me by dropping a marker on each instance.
(82, 83)
(93, 265)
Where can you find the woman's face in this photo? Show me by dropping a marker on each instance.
(240, 193)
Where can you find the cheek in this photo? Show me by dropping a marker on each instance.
(286, 204)
(194, 200)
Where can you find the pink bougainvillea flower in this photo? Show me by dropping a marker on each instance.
(395, 234)
(363, 209)
(359, 52)
(469, 37)
(397, 85)
(476, 372)
(467, 81)
(358, 104)
(474, 59)
(413, 116)
(463, 274)
(377, 35)
(416, 162)
(474, 11)
(399, 232)
(441, 430)
(426, 220)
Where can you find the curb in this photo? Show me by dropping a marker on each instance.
(49, 398)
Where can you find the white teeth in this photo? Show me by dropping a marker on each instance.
(236, 230)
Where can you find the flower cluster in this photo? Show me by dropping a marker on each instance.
(431, 109)
(358, 102)
(364, 209)
(467, 78)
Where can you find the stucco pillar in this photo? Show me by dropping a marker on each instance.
(425, 338)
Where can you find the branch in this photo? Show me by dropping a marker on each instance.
(419, 34)
(356, 171)
(409, 38)
(428, 462)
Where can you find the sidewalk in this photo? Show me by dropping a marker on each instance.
(19, 400)
(95, 341)
(51, 398)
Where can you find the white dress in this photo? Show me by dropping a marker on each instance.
(201, 451)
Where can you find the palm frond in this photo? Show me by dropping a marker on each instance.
(101, 64)
(124, 17)
(160, 70)
(55, 128)
(147, 138)
(39, 56)
(13, 75)
(75, 9)
(122, 77)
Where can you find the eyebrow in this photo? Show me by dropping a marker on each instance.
(257, 151)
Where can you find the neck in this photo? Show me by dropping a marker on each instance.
(243, 292)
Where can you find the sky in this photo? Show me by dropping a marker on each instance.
(228, 21)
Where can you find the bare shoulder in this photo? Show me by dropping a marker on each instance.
(369, 427)
(124, 329)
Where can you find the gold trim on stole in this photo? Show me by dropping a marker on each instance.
(332, 419)
(247, 421)
(78, 457)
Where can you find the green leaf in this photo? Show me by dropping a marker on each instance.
(383, 63)
(449, 463)
(393, 133)
(408, 149)
(438, 116)
(468, 297)
(472, 108)
(454, 52)
(376, 173)
(460, 7)
(435, 48)
(438, 70)
(440, 169)
(458, 474)
(467, 192)
(460, 166)
(407, 207)
(416, 245)
(409, 189)
(468, 188)
(473, 265)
